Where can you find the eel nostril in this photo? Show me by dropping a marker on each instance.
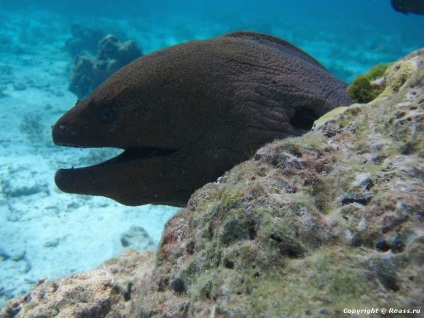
(62, 128)
(60, 131)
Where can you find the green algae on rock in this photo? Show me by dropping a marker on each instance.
(366, 87)
(306, 228)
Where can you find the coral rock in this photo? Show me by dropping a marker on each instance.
(84, 38)
(88, 72)
(104, 292)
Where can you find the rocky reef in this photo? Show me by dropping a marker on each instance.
(88, 72)
(84, 39)
(408, 6)
(308, 227)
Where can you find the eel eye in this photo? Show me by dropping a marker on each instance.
(108, 114)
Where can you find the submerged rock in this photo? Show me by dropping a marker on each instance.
(104, 292)
(137, 238)
(308, 227)
(84, 38)
(408, 6)
(88, 72)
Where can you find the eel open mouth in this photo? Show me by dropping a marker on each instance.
(63, 135)
(125, 177)
(130, 154)
(136, 154)
(110, 177)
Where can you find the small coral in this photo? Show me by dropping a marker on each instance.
(84, 38)
(366, 87)
(88, 72)
(137, 238)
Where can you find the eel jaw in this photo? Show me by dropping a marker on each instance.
(123, 178)
(139, 175)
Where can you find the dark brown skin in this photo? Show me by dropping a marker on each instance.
(188, 113)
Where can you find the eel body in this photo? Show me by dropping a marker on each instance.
(186, 114)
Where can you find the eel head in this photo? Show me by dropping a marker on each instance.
(134, 115)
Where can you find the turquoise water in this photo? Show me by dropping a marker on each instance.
(346, 36)
(46, 233)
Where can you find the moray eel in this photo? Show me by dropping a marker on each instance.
(408, 6)
(186, 114)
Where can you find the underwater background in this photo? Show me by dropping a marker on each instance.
(47, 233)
